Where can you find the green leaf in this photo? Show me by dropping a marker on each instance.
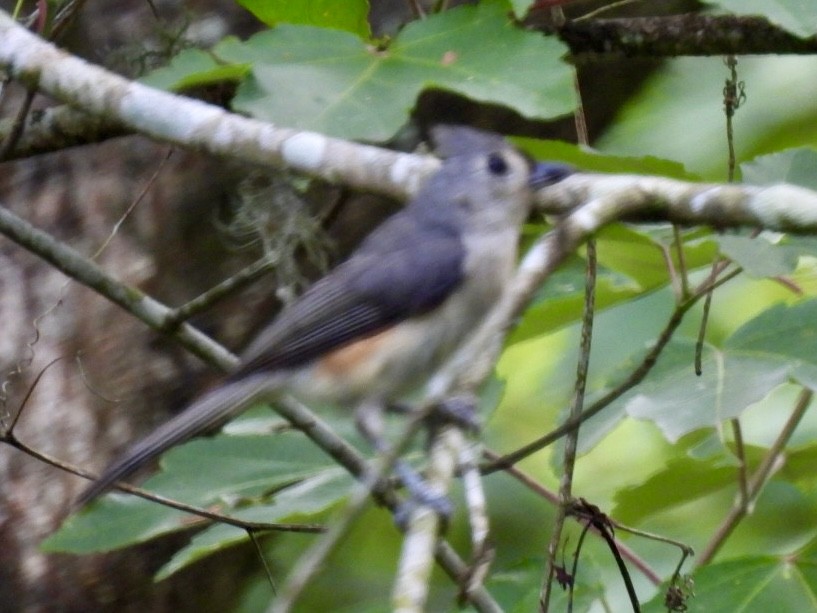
(349, 15)
(797, 166)
(193, 68)
(681, 480)
(303, 500)
(796, 16)
(592, 160)
(516, 587)
(757, 256)
(333, 82)
(631, 264)
(770, 349)
(203, 472)
(756, 584)
(521, 7)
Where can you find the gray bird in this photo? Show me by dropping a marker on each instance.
(380, 323)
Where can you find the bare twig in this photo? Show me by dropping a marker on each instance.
(553, 498)
(770, 462)
(219, 291)
(572, 439)
(206, 514)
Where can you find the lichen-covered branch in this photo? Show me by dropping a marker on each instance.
(682, 35)
(57, 128)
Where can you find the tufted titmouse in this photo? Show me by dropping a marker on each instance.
(383, 320)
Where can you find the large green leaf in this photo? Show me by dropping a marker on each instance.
(798, 166)
(777, 345)
(798, 16)
(757, 584)
(517, 586)
(334, 82)
(340, 14)
(203, 472)
(757, 256)
(302, 500)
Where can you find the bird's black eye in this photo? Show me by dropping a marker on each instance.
(497, 164)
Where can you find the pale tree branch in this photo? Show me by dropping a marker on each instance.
(651, 37)
(57, 128)
(197, 125)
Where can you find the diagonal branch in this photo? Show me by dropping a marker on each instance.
(195, 124)
(150, 311)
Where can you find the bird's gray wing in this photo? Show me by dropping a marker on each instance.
(400, 271)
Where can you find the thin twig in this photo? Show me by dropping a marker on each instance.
(13, 441)
(260, 552)
(218, 292)
(683, 272)
(132, 206)
(572, 439)
(582, 367)
(552, 497)
(16, 131)
(9, 431)
(759, 479)
(699, 343)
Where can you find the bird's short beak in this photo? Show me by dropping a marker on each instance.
(547, 173)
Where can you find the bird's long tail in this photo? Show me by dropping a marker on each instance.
(209, 411)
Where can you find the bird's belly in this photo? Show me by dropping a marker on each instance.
(387, 365)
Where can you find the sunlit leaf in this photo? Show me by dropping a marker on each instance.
(776, 346)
